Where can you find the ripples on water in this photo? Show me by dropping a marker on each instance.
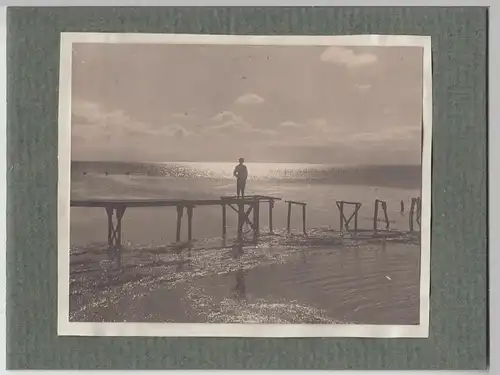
(408, 176)
(282, 279)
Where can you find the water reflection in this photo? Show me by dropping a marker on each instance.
(240, 290)
(303, 255)
(237, 250)
(115, 257)
(181, 264)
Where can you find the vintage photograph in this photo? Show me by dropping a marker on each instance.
(280, 184)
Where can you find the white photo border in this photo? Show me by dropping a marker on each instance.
(67, 328)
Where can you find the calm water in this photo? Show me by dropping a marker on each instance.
(277, 281)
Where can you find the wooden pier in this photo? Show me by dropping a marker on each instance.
(115, 210)
(247, 210)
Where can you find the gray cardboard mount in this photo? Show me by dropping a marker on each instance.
(458, 338)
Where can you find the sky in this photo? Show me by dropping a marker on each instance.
(302, 104)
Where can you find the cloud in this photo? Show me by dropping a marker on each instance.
(363, 86)
(249, 99)
(320, 125)
(175, 130)
(347, 57)
(291, 125)
(225, 116)
(90, 120)
(93, 123)
(396, 133)
(229, 123)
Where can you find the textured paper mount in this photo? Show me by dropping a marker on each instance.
(67, 328)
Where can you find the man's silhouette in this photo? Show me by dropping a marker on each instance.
(241, 174)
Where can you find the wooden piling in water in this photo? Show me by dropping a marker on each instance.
(119, 215)
(419, 211)
(109, 212)
(356, 222)
(289, 217)
(341, 209)
(180, 212)
(241, 219)
(384, 207)
(271, 206)
(115, 231)
(344, 222)
(190, 222)
(224, 221)
(304, 229)
(415, 210)
(383, 204)
(410, 216)
(256, 222)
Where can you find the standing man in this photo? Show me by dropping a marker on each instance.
(241, 174)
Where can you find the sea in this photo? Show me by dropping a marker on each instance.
(284, 278)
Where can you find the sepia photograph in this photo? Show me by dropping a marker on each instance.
(252, 186)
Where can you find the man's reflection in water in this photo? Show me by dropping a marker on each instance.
(240, 290)
(182, 261)
(180, 265)
(237, 250)
(303, 255)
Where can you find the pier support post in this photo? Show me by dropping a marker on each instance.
(190, 222)
(271, 206)
(419, 211)
(415, 212)
(115, 231)
(410, 216)
(224, 221)
(304, 219)
(356, 222)
(109, 212)
(379, 203)
(120, 211)
(241, 219)
(375, 216)
(289, 217)
(341, 209)
(180, 213)
(344, 221)
(256, 218)
(384, 207)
